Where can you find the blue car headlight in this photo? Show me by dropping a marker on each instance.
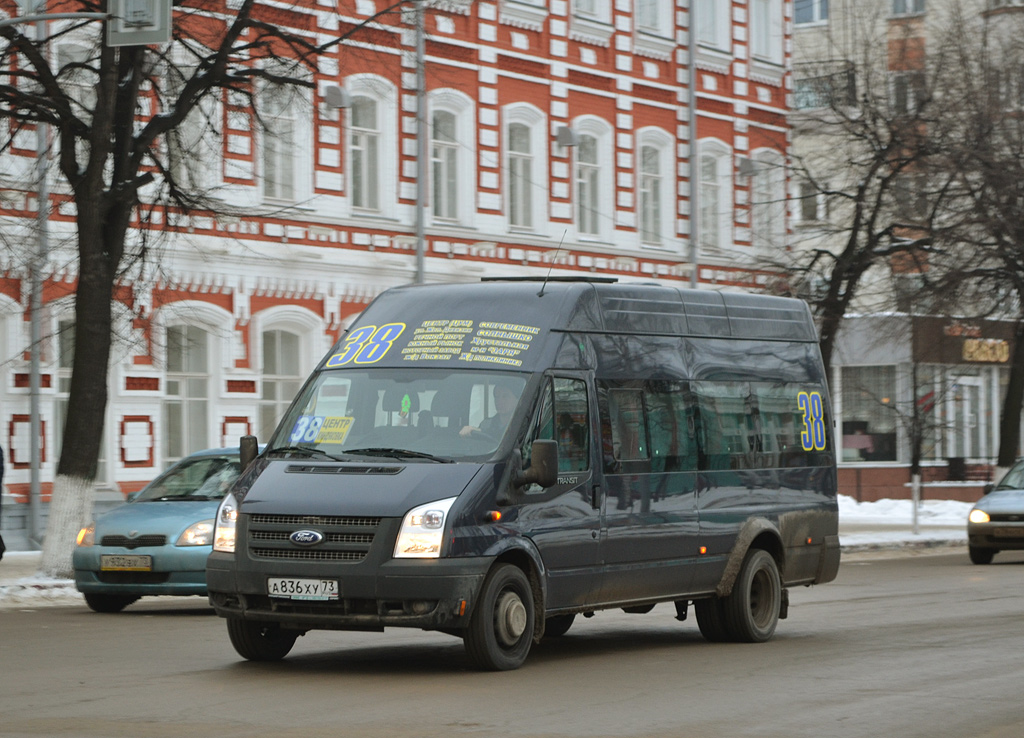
(197, 534)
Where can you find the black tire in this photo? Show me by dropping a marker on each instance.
(107, 602)
(711, 620)
(500, 630)
(260, 641)
(981, 556)
(752, 610)
(558, 625)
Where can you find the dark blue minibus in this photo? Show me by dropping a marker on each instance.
(491, 460)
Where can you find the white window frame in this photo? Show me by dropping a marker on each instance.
(713, 25)
(768, 201)
(217, 323)
(766, 31)
(819, 12)
(591, 22)
(280, 148)
(901, 8)
(722, 218)
(603, 169)
(384, 93)
(461, 106)
(661, 142)
(537, 188)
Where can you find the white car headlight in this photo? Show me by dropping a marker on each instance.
(224, 530)
(422, 531)
(87, 536)
(978, 516)
(197, 534)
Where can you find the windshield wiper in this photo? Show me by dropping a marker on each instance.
(304, 451)
(398, 453)
(176, 498)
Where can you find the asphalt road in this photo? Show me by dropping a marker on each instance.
(923, 645)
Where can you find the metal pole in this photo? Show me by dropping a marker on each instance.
(38, 262)
(694, 155)
(421, 141)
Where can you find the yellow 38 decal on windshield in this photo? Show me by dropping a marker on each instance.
(812, 438)
(367, 344)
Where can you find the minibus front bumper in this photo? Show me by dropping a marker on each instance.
(432, 594)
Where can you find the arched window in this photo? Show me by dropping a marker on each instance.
(282, 377)
(715, 196)
(186, 403)
(520, 176)
(444, 159)
(364, 138)
(655, 165)
(371, 156)
(594, 187)
(526, 185)
(588, 205)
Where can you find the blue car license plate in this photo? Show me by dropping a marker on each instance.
(126, 562)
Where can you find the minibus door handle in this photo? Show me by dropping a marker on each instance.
(595, 496)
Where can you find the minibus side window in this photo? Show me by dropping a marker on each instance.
(671, 420)
(625, 443)
(730, 429)
(563, 416)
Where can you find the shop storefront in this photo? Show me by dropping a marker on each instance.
(937, 383)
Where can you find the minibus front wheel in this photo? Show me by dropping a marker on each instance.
(500, 629)
(260, 641)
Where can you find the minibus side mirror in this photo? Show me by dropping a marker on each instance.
(248, 450)
(543, 468)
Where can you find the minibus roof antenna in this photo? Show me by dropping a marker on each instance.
(548, 275)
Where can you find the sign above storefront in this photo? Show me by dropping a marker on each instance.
(952, 341)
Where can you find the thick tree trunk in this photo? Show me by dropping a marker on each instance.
(1009, 423)
(70, 509)
(99, 246)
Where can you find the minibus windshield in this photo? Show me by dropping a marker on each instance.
(405, 414)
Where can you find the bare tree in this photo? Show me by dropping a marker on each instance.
(131, 127)
(869, 193)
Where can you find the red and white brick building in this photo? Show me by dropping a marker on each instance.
(215, 339)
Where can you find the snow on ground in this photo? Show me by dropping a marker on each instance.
(862, 525)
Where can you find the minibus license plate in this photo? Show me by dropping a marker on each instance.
(117, 562)
(303, 589)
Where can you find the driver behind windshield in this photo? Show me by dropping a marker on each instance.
(505, 399)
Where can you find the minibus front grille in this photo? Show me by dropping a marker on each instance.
(325, 520)
(342, 538)
(305, 554)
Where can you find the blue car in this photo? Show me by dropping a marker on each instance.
(157, 542)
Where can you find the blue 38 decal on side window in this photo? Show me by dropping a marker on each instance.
(367, 344)
(812, 438)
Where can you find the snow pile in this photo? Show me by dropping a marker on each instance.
(890, 523)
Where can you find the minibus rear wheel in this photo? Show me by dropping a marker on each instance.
(752, 609)
(500, 629)
(711, 620)
(260, 641)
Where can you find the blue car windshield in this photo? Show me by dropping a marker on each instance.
(193, 478)
(416, 414)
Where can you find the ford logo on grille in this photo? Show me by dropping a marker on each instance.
(306, 537)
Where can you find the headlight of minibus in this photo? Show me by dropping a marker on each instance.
(978, 516)
(224, 531)
(422, 531)
(197, 534)
(87, 536)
